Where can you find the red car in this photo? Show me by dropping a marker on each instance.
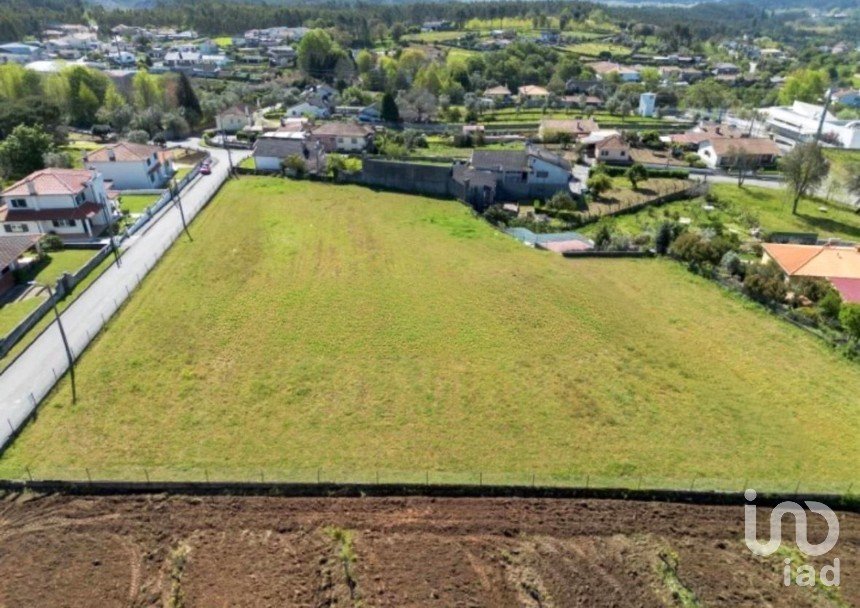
(205, 169)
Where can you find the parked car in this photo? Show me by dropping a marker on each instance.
(205, 169)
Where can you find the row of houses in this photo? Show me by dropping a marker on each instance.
(81, 203)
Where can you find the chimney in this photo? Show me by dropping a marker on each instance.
(31, 187)
(111, 155)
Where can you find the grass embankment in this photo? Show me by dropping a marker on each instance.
(136, 203)
(310, 325)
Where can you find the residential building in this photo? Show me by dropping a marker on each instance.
(839, 265)
(269, 152)
(12, 247)
(606, 69)
(613, 150)
(524, 174)
(532, 95)
(847, 97)
(723, 152)
(307, 109)
(16, 52)
(500, 95)
(647, 104)
(281, 56)
(348, 137)
(130, 166)
(234, 119)
(72, 203)
(800, 122)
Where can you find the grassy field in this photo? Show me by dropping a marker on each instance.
(740, 209)
(594, 49)
(310, 325)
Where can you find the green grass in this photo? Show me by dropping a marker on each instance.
(137, 203)
(67, 260)
(14, 312)
(310, 325)
(740, 209)
(594, 49)
(28, 338)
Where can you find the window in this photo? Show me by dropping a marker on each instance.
(152, 177)
(79, 198)
(63, 223)
(18, 203)
(16, 228)
(543, 174)
(623, 153)
(604, 153)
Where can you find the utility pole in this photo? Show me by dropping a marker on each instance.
(827, 100)
(68, 348)
(178, 201)
(113, 246)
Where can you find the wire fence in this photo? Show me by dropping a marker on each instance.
(524, 479)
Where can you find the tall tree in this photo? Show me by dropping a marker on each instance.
(186, 98)
(805, 167)
(24, 150)
(389, 112)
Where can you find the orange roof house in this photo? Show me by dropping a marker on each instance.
(838, 264)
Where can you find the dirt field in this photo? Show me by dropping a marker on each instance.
(186, 551)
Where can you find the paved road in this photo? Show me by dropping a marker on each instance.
(34, 373)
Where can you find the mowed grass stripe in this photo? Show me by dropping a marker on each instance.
(310, 325)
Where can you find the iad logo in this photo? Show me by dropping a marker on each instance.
(829, 575)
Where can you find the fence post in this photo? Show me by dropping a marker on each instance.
(146, 474)
(318, 475)
(29, 475)
(587, 479)
(10, 425)
(89, 477)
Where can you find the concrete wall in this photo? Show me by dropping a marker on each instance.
(433, 180)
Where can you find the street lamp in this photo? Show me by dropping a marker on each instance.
(68, 348)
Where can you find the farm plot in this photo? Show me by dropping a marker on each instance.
(310, 326)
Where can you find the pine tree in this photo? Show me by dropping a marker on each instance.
(187, 99)
(389, 111)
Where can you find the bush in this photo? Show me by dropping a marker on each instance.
(562, 200)
(849, 317)
(733, 264)
(831, 304)
(664, 237)
(695, 249)
(811, 288)
(598, 184)
(495, 214)
(51, 242)
(764, 283)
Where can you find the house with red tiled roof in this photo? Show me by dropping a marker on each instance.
(612, 150)
(130, 166)
(838, 264)
(343, 136)
(724, 152)
(71, 203)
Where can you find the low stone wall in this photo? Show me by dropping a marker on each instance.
(416, 178)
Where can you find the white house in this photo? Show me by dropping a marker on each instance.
(724, 152)
(799, 123)
(524, 175)
(16, 52)
(270, 151)
(346, 137)
(306, 109)
(131, 166)
(647, 104)
(612, 150)
(234, 119)
(67, 202)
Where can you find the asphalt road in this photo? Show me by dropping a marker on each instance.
(36, 370)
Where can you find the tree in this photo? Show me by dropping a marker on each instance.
(138, 136)
(663, 238)
(295, 165)
(146, 91)
(24, 151)
(397, 31)
(805, 167)
(318, 54)
(849, 318)
(707, 95)
(636, 173)
(599, 183)
(335, 165)
(804, 85)
(389, 112)
(765, 283)
(186, 98)
(60, 160)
